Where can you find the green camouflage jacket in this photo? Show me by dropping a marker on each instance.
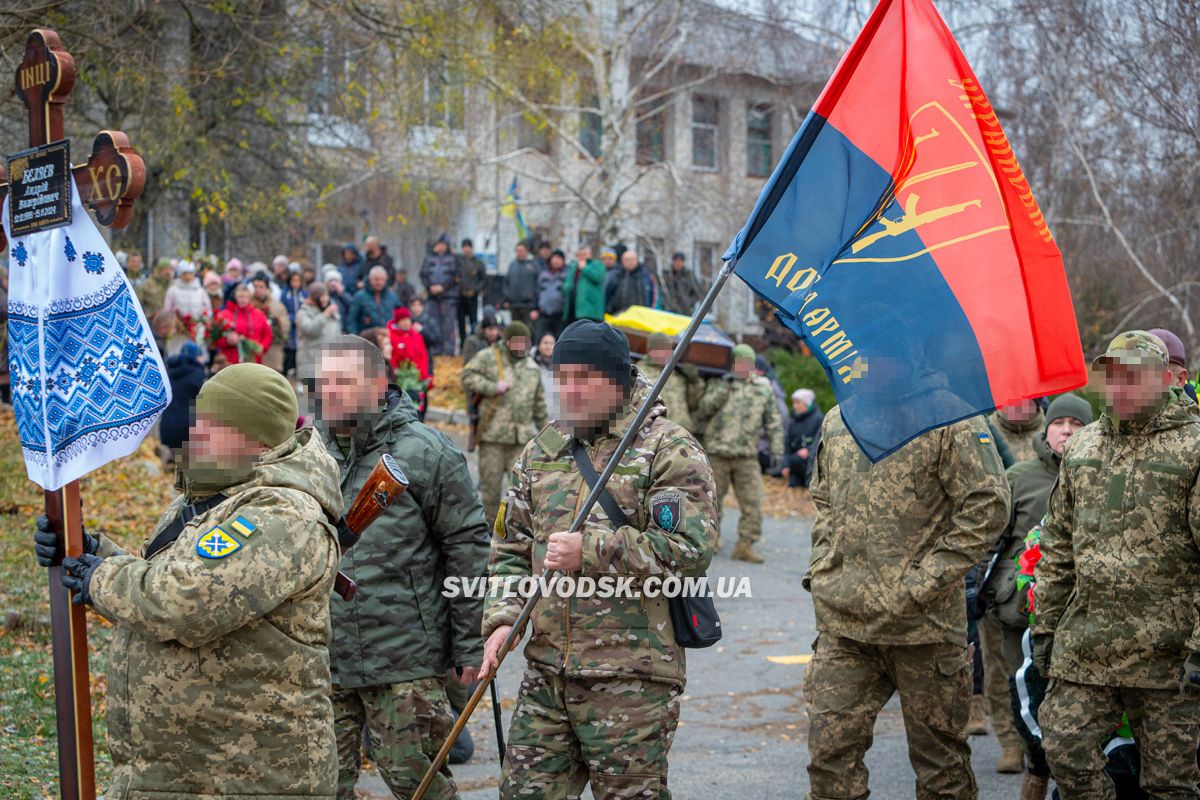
(663, 480)
(1117, 580)
(680, 394)
(893, 541)
(506, 418)
(737, 411)
(1018, 436)
(218, 674)
(399, 627)
(1030, 482)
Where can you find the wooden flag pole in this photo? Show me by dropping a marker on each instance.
(108, 183)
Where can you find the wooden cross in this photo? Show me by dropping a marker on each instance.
(113, 176)
(108, 183)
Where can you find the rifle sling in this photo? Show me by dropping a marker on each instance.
(186, 514)
(588, 470)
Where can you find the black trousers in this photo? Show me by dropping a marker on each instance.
(468, 316)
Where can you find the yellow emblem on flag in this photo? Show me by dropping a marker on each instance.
(217, 544)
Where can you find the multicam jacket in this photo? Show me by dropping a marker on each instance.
(1117, 580)
(893, 540)
(218, 675)
(664, 486)
(506, 418)
(738, 410)
(680, 395)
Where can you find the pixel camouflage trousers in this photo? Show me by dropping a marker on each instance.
(745, 475)
(407, 723)
(1078, 720)
(846, 686)
(613, 732)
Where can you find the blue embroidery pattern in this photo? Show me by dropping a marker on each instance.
(93, 262)
(100, 384)
(69, 250)
(20, 254)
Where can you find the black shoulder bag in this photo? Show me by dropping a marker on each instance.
(695, 619)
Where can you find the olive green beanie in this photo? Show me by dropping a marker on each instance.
(743, 350)
(254, 399)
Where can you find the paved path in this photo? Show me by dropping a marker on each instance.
(742, 726)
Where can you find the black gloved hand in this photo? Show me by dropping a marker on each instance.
(1191, 674)
(346, 537)
(77, 576)
(1042, 646)
(47, 544)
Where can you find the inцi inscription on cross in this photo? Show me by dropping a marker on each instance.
(113, 175)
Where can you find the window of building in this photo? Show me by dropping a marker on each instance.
(444, 99)
(591, 127)
(704, 261)
(652, 132)
(758, 141)
(533, 133)
(705, 132)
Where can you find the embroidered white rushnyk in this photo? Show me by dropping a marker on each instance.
(87, 380)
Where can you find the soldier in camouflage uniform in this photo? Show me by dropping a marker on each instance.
(1117, 625)
(1018, 425)
(218, 674)
(890, 547)
(1030, 482)
(394, 642)
(738, 409)
(600, 698)
(684, 388)
(511, 402)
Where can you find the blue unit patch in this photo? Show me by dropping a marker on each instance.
(217, 544)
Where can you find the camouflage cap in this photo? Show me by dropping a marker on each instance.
(659, 341)
(1135, 347)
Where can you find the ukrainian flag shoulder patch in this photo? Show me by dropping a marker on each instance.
(243, 526)
(217, 544)
(984, 438)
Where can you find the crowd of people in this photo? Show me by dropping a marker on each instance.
(1063, 545)
(281, 314)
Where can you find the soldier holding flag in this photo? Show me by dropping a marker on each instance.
(600, 698)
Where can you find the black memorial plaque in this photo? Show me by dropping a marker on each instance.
(40, 180)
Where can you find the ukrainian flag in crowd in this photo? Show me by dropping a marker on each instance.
(899, 237)
(512, 209)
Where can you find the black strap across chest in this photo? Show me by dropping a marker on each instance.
(588, 471)
(186, 514)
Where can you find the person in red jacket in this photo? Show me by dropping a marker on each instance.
(250, 332)
(407, 344)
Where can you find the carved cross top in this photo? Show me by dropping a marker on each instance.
(114, 175)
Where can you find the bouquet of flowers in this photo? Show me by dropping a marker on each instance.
(214, 334)
(193, 327)
(248, 350)
(408, 378)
